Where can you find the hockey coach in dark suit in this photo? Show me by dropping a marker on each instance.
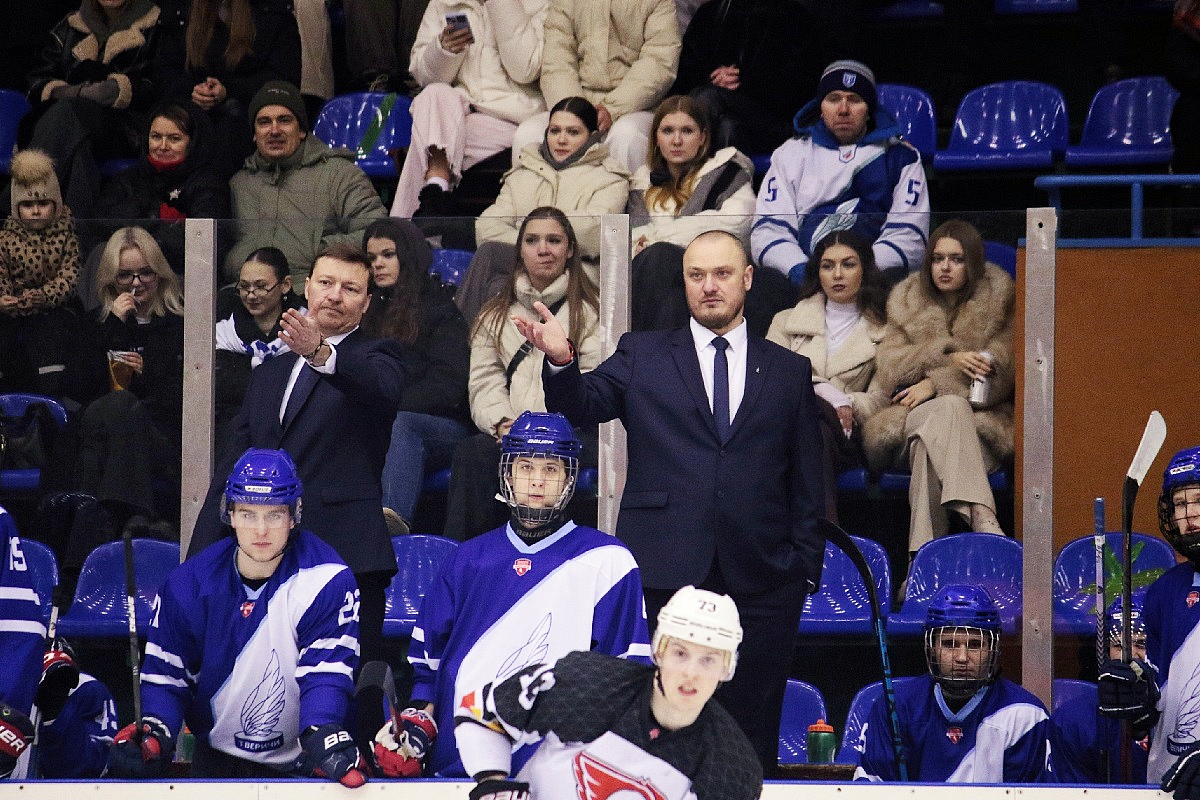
(724, 483)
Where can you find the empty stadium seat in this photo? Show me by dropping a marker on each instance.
(43, 566)
(802, 706)
(913, 109)
(98, 609)
(860, 709)
(1002, 255)
(911, 9)
(987, 559)
(1128, 125)
(841, 606)
(419, 560)
(346, 119)
(451, 265)
(1036, 6)
(13, 106)
(1075, 577)
(1005, 126)
(15, 404)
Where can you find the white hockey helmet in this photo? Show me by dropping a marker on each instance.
(702, 617)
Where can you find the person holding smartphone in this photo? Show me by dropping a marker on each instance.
(478, 65)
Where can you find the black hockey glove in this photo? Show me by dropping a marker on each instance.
(16, 732)
(1128, 691)
(141, 751)
(1183, 778)
(500, 789)
(330, 752)
(60, 675)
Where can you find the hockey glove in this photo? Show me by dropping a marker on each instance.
(402, 754)
(1183, 778)
(1128, 691)
(500, 789)
(16, 732)
(60, 675)
(330, 752)
(141, 750)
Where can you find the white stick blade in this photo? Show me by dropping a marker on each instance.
(1152, 441)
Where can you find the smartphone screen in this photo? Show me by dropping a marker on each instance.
(457, 21)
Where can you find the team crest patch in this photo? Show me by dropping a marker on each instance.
(521, 566)
(247, 608)
(1193, 598)
(597, 780)
(848, 79)
(846, 154)
(954, 734)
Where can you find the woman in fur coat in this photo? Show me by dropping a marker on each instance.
(947, 324)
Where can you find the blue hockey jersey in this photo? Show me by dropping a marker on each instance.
(999, 736)
(75, 744)
(249, 669)
(1078, 733)
(1172, 610)
(500, 605)
(22, 630)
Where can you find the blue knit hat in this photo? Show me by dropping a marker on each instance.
(849, 76)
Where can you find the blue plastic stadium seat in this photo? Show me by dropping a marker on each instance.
(1128, 125)
(992, 561)
(802, 706)
(911, 9)
(853, 480)
(345, 119)
(13, 106)
(1002, 255)
(43, 566)
(860, 710)
(14, 405)
(437, 481)
(419, 559)
(1075, 577)
(897, 482)
(1005, 126)
(98, 609)
(841, 606)
(451, 265)
(1036, 6)
(913, 109)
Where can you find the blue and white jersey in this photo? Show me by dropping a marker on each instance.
(22, 629)
(250, 669)
(999, 736)
(75, 744)
(1081, 738)
(1171, 611)
(500, 605)
(815, 186)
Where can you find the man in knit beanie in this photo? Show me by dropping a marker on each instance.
(846, 168)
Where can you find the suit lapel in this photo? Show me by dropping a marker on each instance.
(756, 371)
(683, 350)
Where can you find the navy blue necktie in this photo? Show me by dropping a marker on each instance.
(721, 388)
(300, 391)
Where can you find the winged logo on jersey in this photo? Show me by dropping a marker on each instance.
(261, 711)
(1183, 738)
(840, 219)
(596, 780)
(532, 652)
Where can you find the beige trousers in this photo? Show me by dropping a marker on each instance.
(316, 48)
(949, 466)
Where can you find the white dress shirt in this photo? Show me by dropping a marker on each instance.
(735, 354)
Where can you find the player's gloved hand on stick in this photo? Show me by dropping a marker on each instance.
(1183, 778)
(16, 732)
(401, 753)
(500, 789)
(1128, 691)
(60, 675)
(141, 750)
(330, 752)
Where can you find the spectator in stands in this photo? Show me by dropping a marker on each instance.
(948, 324)
(481, 616)
(838, 325)
(218, 55)
(247, 331)
(39, 265)
(128, 370)
(506, 376)
(294, 192)
(621, 56)
(89, 90)
(570, 170)
(479, 83)
(961, 723)
(316, 53)
(379, 38)
(752, 63)
(683, 190)
(845, 168)
(411, 306)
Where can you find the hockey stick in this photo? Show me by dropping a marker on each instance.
(1098, 537)
(843, 542)
(130, 610)
(378, 675)
(1152, 441)
(33, 771)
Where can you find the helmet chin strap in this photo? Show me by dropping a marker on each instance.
(537, 532)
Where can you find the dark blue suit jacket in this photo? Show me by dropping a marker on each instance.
(752, 504)
(338, 440)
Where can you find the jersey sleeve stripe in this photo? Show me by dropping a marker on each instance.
(22, 626)
(154, 650)
(163, 680)
(348, 642)
(19, 593)
(325, 667)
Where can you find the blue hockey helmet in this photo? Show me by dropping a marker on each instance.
(1114, 618)
(263, 477)
(1183, 471)
(535, 435)
(962, 639)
